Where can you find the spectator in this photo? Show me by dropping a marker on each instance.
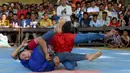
(114, 22)
(121, 20)
(79, 11)
(64, 11)
(22, 21)
(28, 20)
(105, 21)
(127, 14)
(126, 39)
(55, 17)
(83, 5)
(88, 4)
(4, 22)
(46, 22)
(122, 10)
(34, 21)
(85, 20)
(33, 24)
(75, 23)
(102, 9)
(41, 11)
(95, 22)
(10, 16)
(115, 41)
(20, 11)
(93, 9)
(5, 9)
(15, 22)
(110, 9)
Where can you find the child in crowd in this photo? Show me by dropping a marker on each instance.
(115, 41)
(114, 22)
(126, 38)
(75, 23)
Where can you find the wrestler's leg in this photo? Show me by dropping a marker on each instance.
(81, 38)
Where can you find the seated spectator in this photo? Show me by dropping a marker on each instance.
(22, 21)
(114, 22)
(15, 22)
(45, 22)
(126, 39)
(4, 22)
(110, 9)
(10, 15)
(93, 9)
(75, 23)
(85, 20)
(41, 11)
(105, 21)
(121, 20)
(115, 41)
(5, 9)
(95, 22)
(33, 24)
(55, 17)
(21, 11)
(28, 20)
(34, 21)
(102, 9)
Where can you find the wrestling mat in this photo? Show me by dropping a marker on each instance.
(112, 61)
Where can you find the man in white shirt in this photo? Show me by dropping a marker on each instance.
(64, 11)
(93, 9)
(105, 21)
(95, 22)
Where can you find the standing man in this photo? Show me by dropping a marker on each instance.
(64, 11)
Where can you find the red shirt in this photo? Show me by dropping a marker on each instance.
(62, 42)
(19, 12)
(114, 25)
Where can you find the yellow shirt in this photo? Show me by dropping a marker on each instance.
(46, 23)
(6, 23)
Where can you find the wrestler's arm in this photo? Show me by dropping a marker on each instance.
(43, 45)
(15, 52)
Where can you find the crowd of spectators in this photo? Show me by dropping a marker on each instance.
(82, 13)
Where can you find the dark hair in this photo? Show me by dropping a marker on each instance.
(21, 14)
(85, 13)
(101, 4)
(10, 11)
(15, 14)
(125, 30)
(95, 15)
(114, 18)
(67, 27)
(104, 12)
(19, 54)
(117, 29)
(26, 47)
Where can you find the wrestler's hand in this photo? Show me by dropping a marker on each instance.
(25, 42)
(56, 61)
(48, 58)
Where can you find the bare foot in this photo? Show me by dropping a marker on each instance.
(94, 56)
(56, 61)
